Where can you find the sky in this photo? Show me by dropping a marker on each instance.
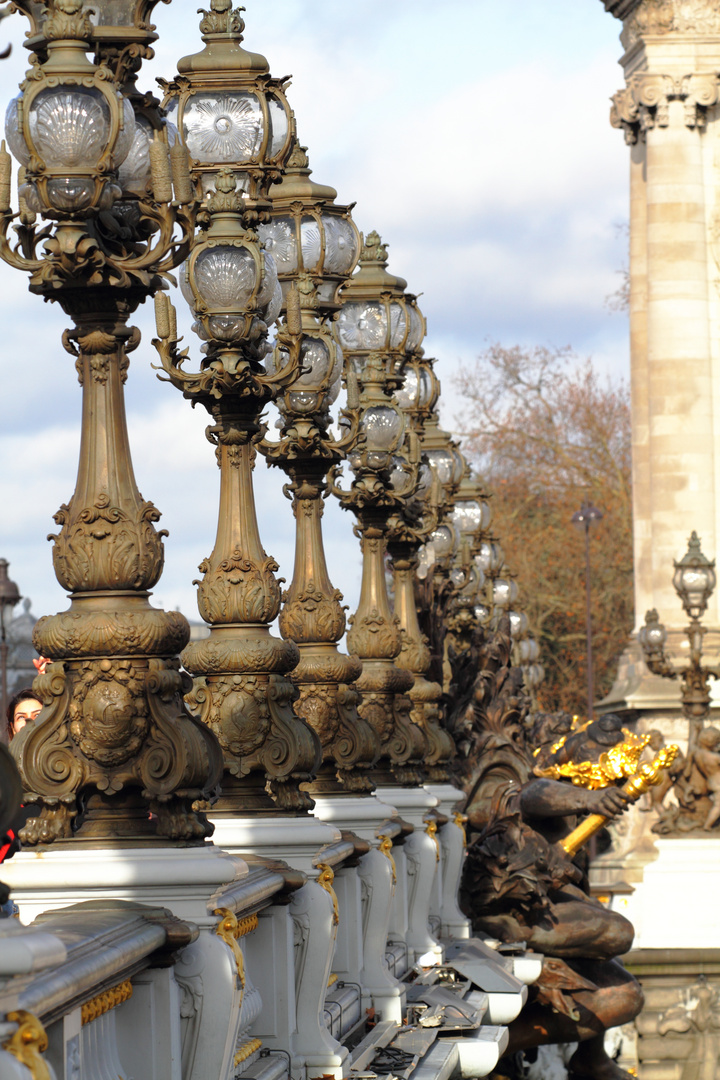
(473, 135)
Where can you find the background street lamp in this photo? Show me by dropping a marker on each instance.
(9, 597)
(694, 580)
(584, 519)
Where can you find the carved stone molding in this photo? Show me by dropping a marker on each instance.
(657, 17)
(644, 103)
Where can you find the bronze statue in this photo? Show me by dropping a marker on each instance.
(519, 885)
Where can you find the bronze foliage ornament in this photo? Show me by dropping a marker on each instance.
(242, 693)
(114, 743)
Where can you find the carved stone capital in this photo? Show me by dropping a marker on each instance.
(644, 103)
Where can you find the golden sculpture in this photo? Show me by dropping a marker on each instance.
(617, 763)
(649, 774)
(325, 880)
(27, 1043)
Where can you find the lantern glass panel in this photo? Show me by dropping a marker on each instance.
(278, 126)
(407, 395)
(303, 401)
(223, 128)
(425, 392)
(467, 516)
(13, 132)
(398, 325)
(315, 358)
(362, 326)
(225, 277)
(311, 243)
(382, 426)
(442, 462)
(341, 245)
(417, 329)
(279, 239)
(111, 12)
(443, 541)
(71, 128)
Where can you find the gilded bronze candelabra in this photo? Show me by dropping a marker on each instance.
(316, 247)
(119, 205)
(235, 122)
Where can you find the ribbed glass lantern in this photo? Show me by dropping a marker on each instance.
(309, 233)
(70, 138)
(228, 109)
(377, 314)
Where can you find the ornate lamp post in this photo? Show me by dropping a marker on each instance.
(694, 580)
(378, 327)
(114, 725)
(414, 521)
(229, 110)
(9, 597)
(316, 247)
(585, 518)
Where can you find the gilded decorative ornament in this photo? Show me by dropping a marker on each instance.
(27, 1043)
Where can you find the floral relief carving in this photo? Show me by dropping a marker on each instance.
(238, 590)
(670, 16)
(373, 636)
(311, 616)
(107, 547)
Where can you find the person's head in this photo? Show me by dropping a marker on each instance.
(23, 706)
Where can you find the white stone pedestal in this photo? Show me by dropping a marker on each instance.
(293, 949)
(365, 896)
(453, 924)
(196, 884)
(418, 865)
(675, 906)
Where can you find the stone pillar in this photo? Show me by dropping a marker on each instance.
(669, 113)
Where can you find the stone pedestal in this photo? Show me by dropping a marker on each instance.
(202, 885)
(296, 943)
(678, 1027)
(366, 899)
(418, 870)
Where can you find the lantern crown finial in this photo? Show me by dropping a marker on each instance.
(222, 18)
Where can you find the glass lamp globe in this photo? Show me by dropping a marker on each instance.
(309, 233)
(383, 428)
(377, 315)
(228, 109)
(467, 516)
(490, 558)
(72, 130)
(694, 579)
(505, 592)
(653, 635)
(223, 283)
(444, 541)
(518, 623)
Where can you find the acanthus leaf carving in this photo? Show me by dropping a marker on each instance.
(107, 547)
(239, 589)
